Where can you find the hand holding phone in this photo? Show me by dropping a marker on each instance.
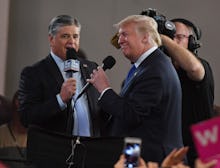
(132, 151)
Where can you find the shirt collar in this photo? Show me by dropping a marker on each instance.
(144, 55)
(58, 61)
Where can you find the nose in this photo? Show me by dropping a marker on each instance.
(71, 39)
(72, 43)
(121, 39)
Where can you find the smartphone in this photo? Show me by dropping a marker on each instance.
(132, 151)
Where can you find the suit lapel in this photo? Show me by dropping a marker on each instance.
(86, 69)
(139, 71)
(54, 70)
(131, 81)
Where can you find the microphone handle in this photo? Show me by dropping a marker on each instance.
(86, 86)
(69, 74)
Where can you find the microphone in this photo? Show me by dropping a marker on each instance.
(107, 63)
(71, 65)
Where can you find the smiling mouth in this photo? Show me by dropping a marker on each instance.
(68, 47)
(124, 46)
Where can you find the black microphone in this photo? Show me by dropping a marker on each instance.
(107, 63)
(71, 65)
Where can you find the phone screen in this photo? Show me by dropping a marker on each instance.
(132, 150)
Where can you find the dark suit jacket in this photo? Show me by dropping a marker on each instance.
(39, 85)
(148, 107)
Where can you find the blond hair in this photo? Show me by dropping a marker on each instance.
(144, 24)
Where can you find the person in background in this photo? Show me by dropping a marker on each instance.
(196, 79)
(47, 96)
(149, 105)
(13, 139)
(174, 158)
(5, 109)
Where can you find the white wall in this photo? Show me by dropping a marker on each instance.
(29, 21)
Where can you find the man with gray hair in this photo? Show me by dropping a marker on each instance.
(46, 94)
(149, 105)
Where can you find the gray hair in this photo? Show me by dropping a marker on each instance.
(60, 21)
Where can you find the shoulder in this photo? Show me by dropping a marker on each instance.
(158, 60)
(205, 63)
(38, 65)
(4, 129)
(208, 79)
(207, 67)
(159, 55)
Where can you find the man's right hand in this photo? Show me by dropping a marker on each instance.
(68, 89)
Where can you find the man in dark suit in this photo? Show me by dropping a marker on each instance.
(45, 93)
(149, 105)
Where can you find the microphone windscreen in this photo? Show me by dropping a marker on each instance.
(108, 62)
(71, 64)
(71, 53)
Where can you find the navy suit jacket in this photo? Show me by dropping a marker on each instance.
(38, 87)
(148, 107)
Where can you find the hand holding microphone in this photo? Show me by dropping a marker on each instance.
(108, 63)
(99, 78)
(68, 89)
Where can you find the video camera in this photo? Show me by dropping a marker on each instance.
(165, 26)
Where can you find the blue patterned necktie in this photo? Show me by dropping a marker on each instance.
(130, 74)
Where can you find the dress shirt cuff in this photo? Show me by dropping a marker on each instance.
(104, 92)
(61, 103)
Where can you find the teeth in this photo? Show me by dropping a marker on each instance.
(69, 46)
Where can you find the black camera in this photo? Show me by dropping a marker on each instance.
(165, 26)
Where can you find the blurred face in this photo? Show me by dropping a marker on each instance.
(131, 42)
(66, 37)
(181, 36)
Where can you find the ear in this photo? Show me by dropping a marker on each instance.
(145, 38)
(50, 39)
